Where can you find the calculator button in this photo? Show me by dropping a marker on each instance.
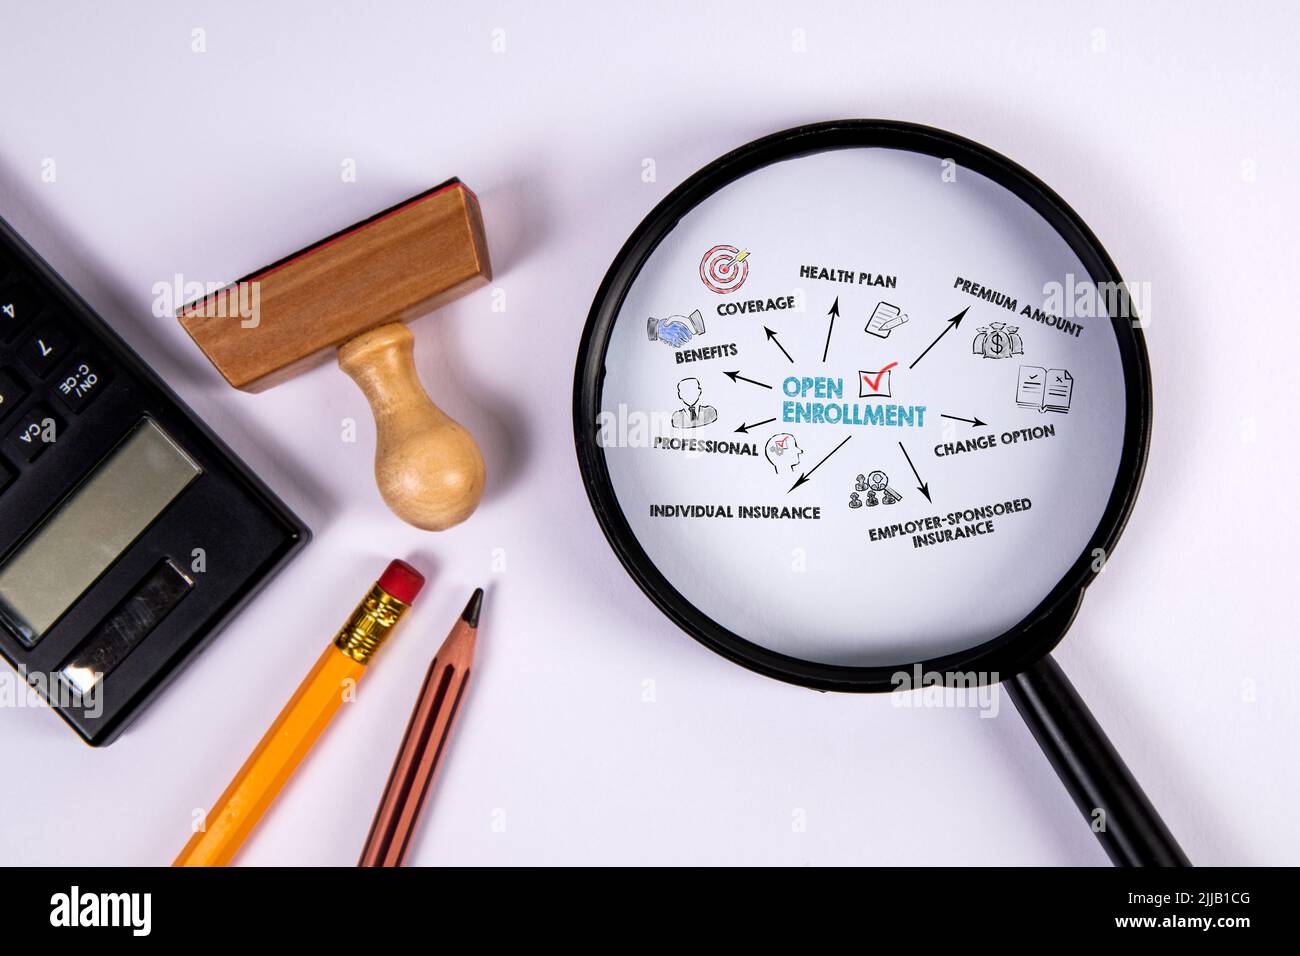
(6, 476)
(45, 349)
(11, 393)
(18, 306)
(80, 383)
(36, 431)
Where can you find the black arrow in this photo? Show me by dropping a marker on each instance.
(808, 474)
(952, 324)
(832, 312)
(772, 335)
(737, 377)
(923, 487)
(957, 418)
(744, 429)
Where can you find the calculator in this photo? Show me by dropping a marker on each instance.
(129, 534)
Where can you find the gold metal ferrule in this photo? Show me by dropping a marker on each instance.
(369, 625)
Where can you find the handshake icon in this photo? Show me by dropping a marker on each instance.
(676, 330)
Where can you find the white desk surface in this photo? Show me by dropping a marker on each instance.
(1171, 132)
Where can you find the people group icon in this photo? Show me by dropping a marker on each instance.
(692, 414)
(878, 492)
(783, 453)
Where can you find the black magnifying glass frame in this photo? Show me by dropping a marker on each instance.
(1006, 655)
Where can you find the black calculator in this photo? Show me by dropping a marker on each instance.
(129, 534)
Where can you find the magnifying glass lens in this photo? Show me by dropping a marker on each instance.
(863, 407)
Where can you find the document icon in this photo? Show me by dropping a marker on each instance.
(1048, 390)
(884, 320)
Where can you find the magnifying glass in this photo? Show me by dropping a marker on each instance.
(864, 406)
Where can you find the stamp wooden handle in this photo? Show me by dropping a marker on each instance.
(429, 470)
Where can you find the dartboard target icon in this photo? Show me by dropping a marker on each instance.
(724, 268)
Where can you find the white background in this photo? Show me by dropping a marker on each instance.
(1172, 132)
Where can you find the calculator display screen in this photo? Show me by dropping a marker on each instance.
(93, 526)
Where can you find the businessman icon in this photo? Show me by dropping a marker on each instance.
(694, 414)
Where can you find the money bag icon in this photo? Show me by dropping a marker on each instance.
(997, 341)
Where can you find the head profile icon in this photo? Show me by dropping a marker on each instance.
(783, 452)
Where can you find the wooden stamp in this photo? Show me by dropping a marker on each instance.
(354, 292)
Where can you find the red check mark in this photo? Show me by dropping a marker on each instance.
(874, 383)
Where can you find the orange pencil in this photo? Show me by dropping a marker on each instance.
(308, 713)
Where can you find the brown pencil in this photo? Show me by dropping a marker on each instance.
(425, 741)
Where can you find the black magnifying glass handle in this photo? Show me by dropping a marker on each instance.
(1110, 799)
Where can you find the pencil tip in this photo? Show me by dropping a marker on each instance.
(475, 605)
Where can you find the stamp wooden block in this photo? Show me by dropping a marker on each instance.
(353, 292)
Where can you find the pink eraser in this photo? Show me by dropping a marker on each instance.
(401, 581)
